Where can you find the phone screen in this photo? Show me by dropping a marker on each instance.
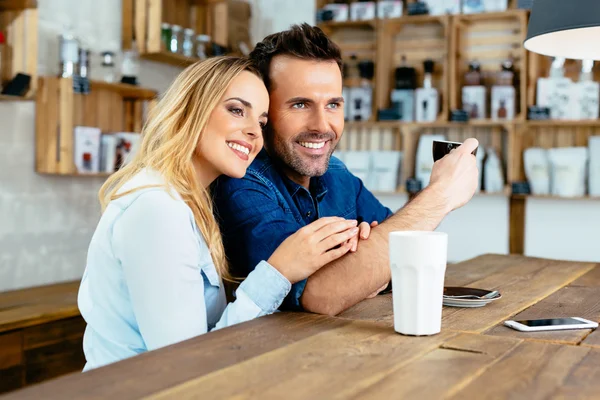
(550, 322)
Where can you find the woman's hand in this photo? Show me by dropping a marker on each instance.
(313, 247)
(364, 231)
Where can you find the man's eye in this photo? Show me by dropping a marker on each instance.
(299, 105)
(333, 105)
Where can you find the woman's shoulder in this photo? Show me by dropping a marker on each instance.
(147, 189)
(149, 204)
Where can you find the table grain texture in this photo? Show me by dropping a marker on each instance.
(357, 355)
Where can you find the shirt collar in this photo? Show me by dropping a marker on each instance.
(317, 186)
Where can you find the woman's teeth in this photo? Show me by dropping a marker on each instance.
(310, 145)
(239, 148)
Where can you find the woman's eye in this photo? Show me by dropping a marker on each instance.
(263, 125)
(237, 111)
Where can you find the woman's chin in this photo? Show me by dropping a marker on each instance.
(235, 173)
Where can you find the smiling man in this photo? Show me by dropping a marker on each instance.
(295, 180)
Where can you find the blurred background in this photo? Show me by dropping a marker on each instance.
(49, 209)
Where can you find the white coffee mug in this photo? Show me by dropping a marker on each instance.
(418, 263)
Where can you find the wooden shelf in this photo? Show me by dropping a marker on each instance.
(489, 38)
(372, 124)
(97, 175)
(564, 123)
(348, 24)
(552, 197)
(17, 5)
(402, 192)
(19, 22)
(16, 98)
(109, 107)
(508, 14)
(416, 19)
(142, 20)
(125, 90)
(166, 57)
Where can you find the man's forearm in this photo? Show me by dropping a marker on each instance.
(349, 280)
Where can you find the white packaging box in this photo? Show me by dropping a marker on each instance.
(385, 170)
(362, 11)
(503, 102)
(426, 105)
(472, 6)
(424, 157)
(474, 100)
(495, 5)
(360, 107)
(594, 166)
(585, 100)
(86, 154)
(555, 93)
(341, 12)
(127, 146)
(359, 164)
(108, 153)
(389, 9)
(442, 7)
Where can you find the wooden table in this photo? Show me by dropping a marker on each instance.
(358, 355)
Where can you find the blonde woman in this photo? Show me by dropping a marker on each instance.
(156, 264)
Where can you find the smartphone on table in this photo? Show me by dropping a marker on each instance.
(551, 324)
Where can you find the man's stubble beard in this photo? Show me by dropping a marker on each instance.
(286, 154)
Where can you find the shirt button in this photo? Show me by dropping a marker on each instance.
(308, 213)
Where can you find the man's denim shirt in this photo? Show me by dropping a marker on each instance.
(257, 213)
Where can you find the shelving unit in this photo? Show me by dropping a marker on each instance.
(489, 38)
(110, 107)
(19, 19)
(142, 21)
(415, 39)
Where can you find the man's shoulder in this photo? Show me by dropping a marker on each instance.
(337, 166)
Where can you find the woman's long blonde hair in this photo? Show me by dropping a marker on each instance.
(170, 138)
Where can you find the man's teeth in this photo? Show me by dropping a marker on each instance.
(312, 145)
(239, 148)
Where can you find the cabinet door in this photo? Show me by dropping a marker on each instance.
(53, 349)
(11, 361)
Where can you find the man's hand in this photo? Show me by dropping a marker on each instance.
(454, 178)
(364, 231)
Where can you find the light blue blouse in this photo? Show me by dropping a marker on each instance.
(150, 281)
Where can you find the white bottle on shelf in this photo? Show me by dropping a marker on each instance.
(427, 97)
(585, 96)
(554, 92)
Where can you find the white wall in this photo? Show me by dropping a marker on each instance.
(563, 229)
(480, 227)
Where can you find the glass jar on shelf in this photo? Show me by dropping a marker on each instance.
(188, 42)
(202, 43)
(109, 74)
(165, 35)
(130, 67)
(69, 53)
(175, 42)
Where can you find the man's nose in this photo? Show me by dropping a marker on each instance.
(319, 122)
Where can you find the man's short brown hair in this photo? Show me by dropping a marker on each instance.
(302, 41)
